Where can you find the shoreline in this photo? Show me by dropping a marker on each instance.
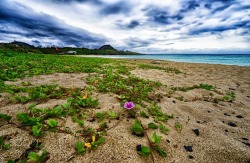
(103, 56)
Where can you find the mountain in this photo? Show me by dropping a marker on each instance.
(21, 44)
(26, 48)
(107, 47)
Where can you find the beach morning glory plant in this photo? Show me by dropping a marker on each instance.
(129, 105)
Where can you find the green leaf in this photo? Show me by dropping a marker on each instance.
(5, 117)
(156, 139)
(6, 146)
(23, 117)
(10, 161)
(160, 151)
(112, 114)
(32, 106)
(137, 127)
(100, 116)
(152, 125)
(33, 156)
(43, 156)
(145, 151)
(144, 114)
(99, 141)
(80, 122)
(37, 130)
(79, 147)
(52, 123)
(66, 105)
(163, 129)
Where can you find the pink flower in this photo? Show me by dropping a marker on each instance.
(129, 105)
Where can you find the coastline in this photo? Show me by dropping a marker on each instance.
(238, 60)
(223, 125)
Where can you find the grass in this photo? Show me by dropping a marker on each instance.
(19, 65)
(166, 69)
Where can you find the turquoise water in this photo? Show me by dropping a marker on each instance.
(225, 59)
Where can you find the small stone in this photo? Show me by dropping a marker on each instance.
(196, 131)
(209, 111)
(246, 139)
(138, 147)
(232, 124)
(117, 118)
(239, 116)
(190, 157)
(92, 120)
(138, 134)
(248, 96)
(198, 121)
(168, 141)
(247, 144)
(226, 130)
(226, 114)
(173, 101)
(188, 148)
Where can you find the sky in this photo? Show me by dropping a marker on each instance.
(145, 26)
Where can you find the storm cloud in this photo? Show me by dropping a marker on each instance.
(21, 21)
(142, 26)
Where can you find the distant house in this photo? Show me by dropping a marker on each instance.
(71, 52)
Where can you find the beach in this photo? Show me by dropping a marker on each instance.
(211, 104)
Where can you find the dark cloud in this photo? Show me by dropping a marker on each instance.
(161, 16)
(116, 8)
(24, 22)
(220, 28)
(131, 25)
(97, 2)
(189, 6)
(136, 42)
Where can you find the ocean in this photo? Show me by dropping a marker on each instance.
(225, 59)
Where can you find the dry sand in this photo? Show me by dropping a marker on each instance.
(217, 141)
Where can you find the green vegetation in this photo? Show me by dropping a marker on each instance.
(36, 157)
(152, 125)
(137, 128)
(178, 126)
(163, 129)
(168, 69)
(157, 113)
(128, 89)
(229, 97)
(144, 114)
(144, 150)
(5, 117)
(200, 86)
(3, 145)
(104, 76)
(156, 139)
(19, 65)
(26, 48)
